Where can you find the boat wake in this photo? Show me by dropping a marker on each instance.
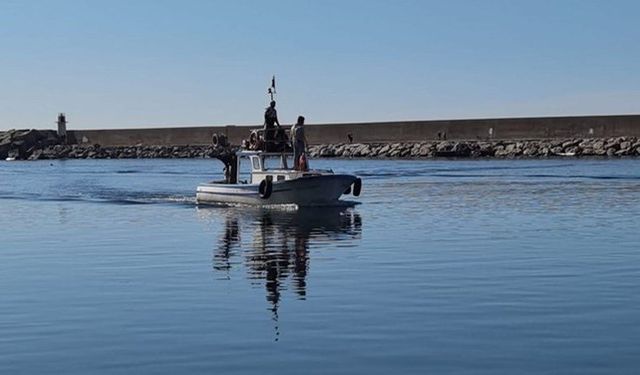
(121, 199)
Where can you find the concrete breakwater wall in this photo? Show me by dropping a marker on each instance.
(385, 132)
(533, 137)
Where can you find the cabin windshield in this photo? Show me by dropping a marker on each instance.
(244, 171)
(256, 163)
(271, 162)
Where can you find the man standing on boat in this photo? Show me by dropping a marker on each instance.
(299, 142)
(270, 122)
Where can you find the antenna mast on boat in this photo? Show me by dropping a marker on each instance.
(272, 89)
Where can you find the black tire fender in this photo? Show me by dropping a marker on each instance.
(357, 187)
(265, 189)
(219, 140)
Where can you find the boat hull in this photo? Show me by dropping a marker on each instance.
(323, 190)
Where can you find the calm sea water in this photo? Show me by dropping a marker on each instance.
(518, 267)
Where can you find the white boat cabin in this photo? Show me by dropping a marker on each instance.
(272, 166)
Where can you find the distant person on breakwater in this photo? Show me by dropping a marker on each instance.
(299, 142)
(270, 122)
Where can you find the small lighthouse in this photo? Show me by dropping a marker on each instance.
(62, 127)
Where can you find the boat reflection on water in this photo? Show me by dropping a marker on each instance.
(273, 245)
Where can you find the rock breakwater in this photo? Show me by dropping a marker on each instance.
(20, 144)
(611, 147)
(39, 144)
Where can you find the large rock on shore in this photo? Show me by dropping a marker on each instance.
(22, 143)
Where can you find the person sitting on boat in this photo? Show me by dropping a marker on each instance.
(270, 122)
(299, 143)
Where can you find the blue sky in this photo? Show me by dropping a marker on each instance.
(145, 63)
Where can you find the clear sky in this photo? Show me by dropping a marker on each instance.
(148, 63)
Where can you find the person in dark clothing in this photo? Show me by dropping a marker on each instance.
(270, 122)
(298, 141)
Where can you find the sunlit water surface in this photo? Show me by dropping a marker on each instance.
(108, 267)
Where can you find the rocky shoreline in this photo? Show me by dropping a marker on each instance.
(610, 147)
(36, 145)
(46, 145)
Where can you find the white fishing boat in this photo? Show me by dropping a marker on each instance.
(278, 185)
